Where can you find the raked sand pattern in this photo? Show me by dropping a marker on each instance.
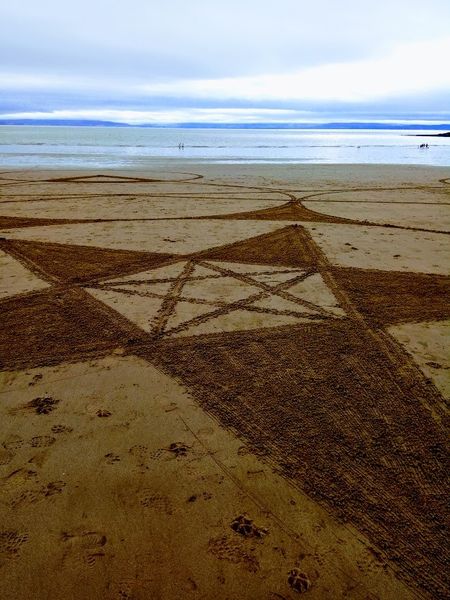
(225, 383)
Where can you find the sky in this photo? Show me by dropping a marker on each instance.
(229, 61)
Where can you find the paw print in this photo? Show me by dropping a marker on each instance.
(299, 581)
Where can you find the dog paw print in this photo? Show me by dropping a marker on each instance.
(246, 527)
(62, 429)
(52, 488)
(112, 458)
(42, 441)
(299, 581)
(156, 502)
(103, 413)
(42, 406)
(178, 449)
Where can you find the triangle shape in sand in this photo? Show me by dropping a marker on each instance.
(186, 311)
(290, 246)
(79, 264)
(168, 272)
(140, 310)
(17, 279)
(223, 290)
(201, 271)
(281, 304)
(313, 289)
(57, 326)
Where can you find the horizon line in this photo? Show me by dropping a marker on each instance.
(395, 125)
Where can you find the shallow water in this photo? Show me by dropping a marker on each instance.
(135, 147)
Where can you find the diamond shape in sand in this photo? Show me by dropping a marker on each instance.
(205, 296)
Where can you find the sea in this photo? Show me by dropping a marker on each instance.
(34, 146)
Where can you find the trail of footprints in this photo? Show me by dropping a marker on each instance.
(23, 487)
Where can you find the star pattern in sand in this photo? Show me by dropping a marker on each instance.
(206, 296)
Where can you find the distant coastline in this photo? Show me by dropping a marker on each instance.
(288, 126)
(446, 134)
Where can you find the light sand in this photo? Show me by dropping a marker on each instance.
(425, 216)
(428, 344)
(383, 248)
(169, 236)
(15, 278)
(132, 207)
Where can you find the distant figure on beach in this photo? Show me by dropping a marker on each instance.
(180, 146)
(426, 146)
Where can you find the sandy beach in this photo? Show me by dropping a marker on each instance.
(224, 381)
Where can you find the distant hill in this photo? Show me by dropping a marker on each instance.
(350, 125)
(62, 123)
(446, 134)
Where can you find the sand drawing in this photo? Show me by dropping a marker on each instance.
(270, 335)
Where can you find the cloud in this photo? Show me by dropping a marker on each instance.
(193, 115)
(154, 40)
(174, 57)
(410, 68)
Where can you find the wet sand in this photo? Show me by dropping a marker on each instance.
(224, 380)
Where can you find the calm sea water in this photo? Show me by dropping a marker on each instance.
(134, 147)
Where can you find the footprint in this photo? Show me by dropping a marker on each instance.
(369, 563)
(103, 413)
(157, 454)
(140, 454)
(85, 548)
(52, 488)
(225, 548)
(37, 494)
(10, 543)
(13, 442)
(16, 481)
(42, 441)
(178, 448)
(25, 498)
(36, 379)
(138, 451)
(245, 526)
(112, 458)
(155, 501)
(91, 558)
(204, 495)
(299, 581)
(62, 429)
(42, 406)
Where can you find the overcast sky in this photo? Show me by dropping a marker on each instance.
(175, 61)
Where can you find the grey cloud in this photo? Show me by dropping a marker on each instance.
(147, 41)
(206, 38)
